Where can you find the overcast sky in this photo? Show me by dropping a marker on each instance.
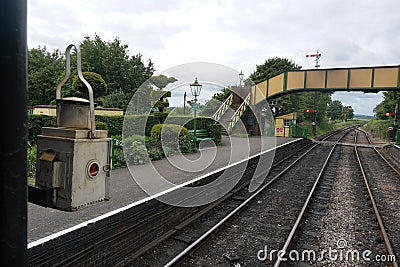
(238, 34)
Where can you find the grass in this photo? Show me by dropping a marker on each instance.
(330, 126)
(378, 128)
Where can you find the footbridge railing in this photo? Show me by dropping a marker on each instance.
(238, 114)
(223, 108)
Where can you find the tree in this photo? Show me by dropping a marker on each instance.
(348, 113)
(112, 61)
(95, 80)
(161, 81)
(275, 66)
(272, 67)
(387, 105)
(293, 102)
(160, 97)
(335, 109)
(45, 71)
(116, 99)
(223, 95)
(210, 107)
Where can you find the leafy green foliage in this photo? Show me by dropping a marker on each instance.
(45, 71)
(387, 105)
(117, 99)
(160, 104)
(272, 67)
(161, 81)
(137, 153)
(112, 61)
(215, 132)
(294, 102)
(97, 82)
(35, 124)
(210, 107)
(168, 132)
(101, 125)
(109, 59)
(158, 96)
(379, 128)
(32, 150)
(172, 138)
(348, 113)
(335, 110)
(223, 95)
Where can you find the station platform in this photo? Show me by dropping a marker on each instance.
(124, 190)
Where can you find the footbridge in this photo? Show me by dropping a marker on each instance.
(364, 79)
(361, 79)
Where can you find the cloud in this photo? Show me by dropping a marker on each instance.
(361, 103)
(229, 32)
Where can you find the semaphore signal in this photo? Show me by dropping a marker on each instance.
(317, 57)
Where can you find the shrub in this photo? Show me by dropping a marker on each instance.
(215, 132)
(171, 138)
(35, 124)
(101, 125)
(168, 132)
(31, 164)
(97, 82)
(137, 153)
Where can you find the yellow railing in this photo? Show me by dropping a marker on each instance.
(238, 114)
(223, 108)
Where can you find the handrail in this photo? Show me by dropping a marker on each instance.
(223, 108)
(238, 113)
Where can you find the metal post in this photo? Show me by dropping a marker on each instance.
(194, 123)
(13, 146)
(184, 103)
(112, 153)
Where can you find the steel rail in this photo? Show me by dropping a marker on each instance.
(379, 153)
(305, 205)
(382, 229)
(180, 256)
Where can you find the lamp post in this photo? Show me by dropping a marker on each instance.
(195, 88)
(264, 113)
(241, 76)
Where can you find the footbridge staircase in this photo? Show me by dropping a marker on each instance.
(230, 112)
(361, 79)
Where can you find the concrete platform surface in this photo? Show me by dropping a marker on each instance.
(125, 190)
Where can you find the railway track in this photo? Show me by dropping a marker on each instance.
(383, 177)
(342, 224)
(187, 238)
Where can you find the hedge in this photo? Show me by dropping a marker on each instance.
(35, 124)
(168, 131)
(133, 123)
(214, 131)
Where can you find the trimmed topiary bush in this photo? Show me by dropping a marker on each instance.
(97, 82)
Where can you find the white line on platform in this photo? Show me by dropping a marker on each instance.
(113, 212)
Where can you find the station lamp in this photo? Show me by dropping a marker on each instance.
(241, 77)
(195, 88)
